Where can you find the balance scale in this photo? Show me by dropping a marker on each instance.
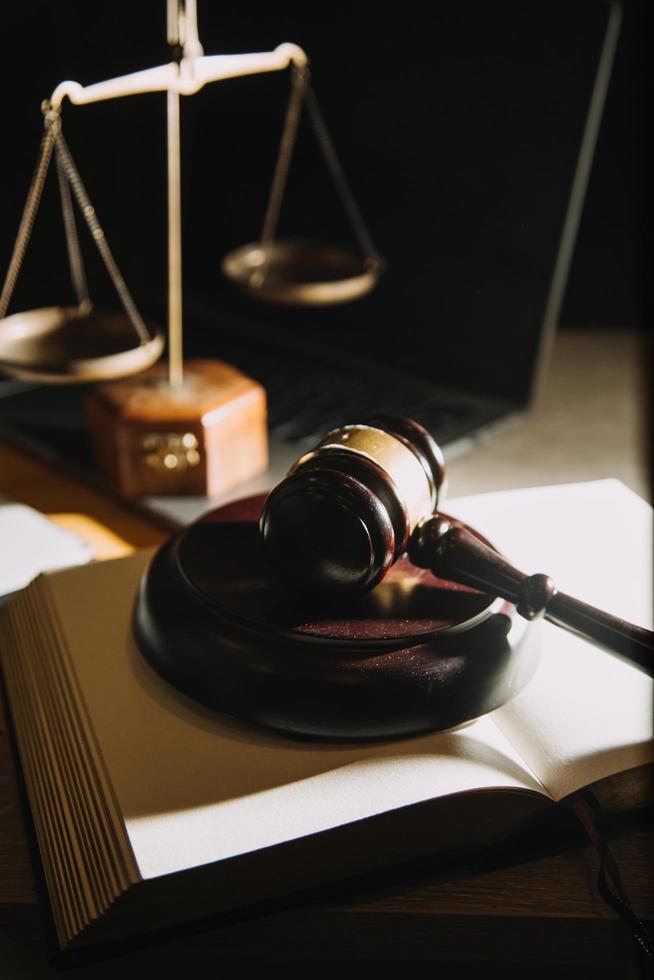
(188, 427)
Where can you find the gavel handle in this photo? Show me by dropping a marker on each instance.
(454, 553)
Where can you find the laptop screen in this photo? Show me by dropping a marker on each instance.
(459, 134)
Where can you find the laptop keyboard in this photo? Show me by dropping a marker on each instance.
(307, 397)
(309, 409)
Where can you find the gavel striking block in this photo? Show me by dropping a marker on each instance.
(414, 654)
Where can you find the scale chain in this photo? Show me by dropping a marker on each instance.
(338, 175)
(75, 261)
(27, 220)
(286, 146)
(303, 91)
(68, 175)
(88, 212)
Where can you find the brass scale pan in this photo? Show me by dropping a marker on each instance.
(302, 273)
(298, 272)
(60, 345)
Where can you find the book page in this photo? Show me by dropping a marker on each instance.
(585, 715)
(196, 787)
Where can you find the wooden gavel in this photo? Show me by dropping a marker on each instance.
(368, 493)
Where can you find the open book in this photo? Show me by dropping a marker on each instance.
(150, 810)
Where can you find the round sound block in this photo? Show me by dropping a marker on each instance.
(415, 654)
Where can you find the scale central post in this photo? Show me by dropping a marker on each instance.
(175, 305)
(182, 38)
(185, 47)
(186, 51)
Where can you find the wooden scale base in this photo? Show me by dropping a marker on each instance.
(415, 654)
(205, 436)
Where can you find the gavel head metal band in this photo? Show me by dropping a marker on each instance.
(412, 484)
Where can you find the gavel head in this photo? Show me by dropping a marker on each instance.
(347, 508)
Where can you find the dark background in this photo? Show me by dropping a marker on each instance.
(610, 280)
(231, 131)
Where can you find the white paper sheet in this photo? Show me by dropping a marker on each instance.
(30, 544)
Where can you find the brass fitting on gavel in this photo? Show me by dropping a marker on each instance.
(346, 509)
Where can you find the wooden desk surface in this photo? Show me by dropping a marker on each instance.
(543, 915)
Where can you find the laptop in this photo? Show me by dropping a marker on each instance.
(467, 140)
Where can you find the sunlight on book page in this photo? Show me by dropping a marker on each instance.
(585, 715)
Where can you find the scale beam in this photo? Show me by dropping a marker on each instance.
(188, 77)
